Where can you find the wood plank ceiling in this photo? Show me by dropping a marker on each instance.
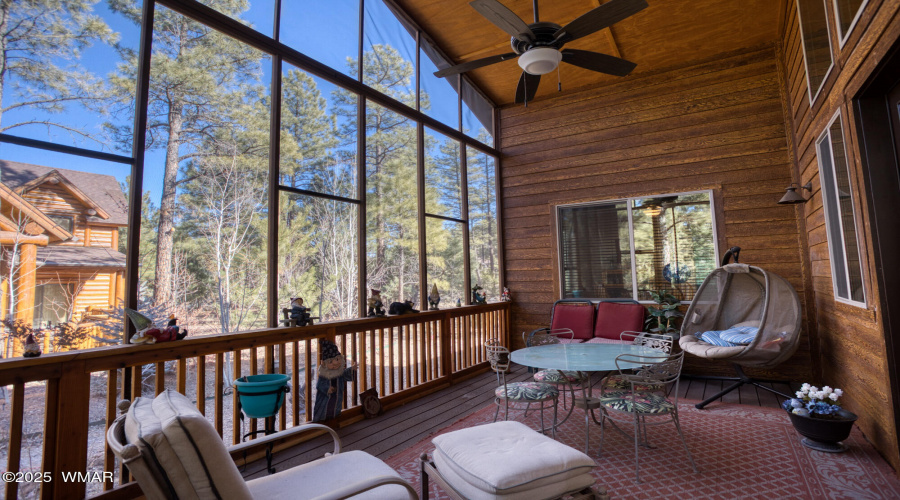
(669, 33)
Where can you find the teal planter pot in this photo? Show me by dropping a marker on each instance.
(261, 396)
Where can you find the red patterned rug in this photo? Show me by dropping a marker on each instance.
(740, 451)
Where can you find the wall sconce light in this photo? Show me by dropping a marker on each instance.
(792, 197)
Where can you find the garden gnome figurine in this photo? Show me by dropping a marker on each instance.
(458, 302)
(32, 348)
(504, 297)
(434, 298)
(478, 295)
(332, 375)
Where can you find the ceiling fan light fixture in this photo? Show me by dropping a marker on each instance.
(540, 60)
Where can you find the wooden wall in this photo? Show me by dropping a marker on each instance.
(716, 125)
(851, 343)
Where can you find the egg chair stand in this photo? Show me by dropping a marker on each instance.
(739, 381)
(738, 300)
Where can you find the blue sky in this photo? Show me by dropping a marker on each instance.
(329, 35)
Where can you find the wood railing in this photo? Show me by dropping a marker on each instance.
(61, 404)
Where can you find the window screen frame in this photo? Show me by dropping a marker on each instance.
(843, 37)
(820, 141)
(629, 203)
(814, 95)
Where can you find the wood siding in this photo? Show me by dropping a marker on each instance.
(851, 345)
(716, 125)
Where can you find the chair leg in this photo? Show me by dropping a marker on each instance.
(497, 411)
(555, 405)
(637, 463)
(683, 442)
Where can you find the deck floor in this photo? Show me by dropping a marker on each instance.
(401, 427)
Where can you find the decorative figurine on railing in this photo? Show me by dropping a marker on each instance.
(478, 295)
(376, 306)
(458, 302)
(332, 373)
(32, 349)
(148, 333)
(434, 298)
(504, 297)
(299, 313)
(405, 307)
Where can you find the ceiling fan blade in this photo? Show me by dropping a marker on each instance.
(477, 63)
(596, 61)
(528, 85)
(601, 17)
(503, 18)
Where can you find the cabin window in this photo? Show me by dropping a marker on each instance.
(53, 304)
(840, 220)
(816, 44)
(847, 13)
(625, 249)
(66, 222)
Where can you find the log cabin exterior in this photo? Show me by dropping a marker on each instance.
(78, 274)
(737, 118)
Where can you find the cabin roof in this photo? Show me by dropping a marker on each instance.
(100, 189)
(73, 256)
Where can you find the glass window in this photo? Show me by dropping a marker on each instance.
(318, 145)
(53, 304)
(58, 60)
(258, 14)
(329, 34)
(816, 43)
(595, 251)
(443, 176)
(392, 236)
(389, 54)
(317, 255)
(484, 256)
(206, 181)
(445, 259)
(629, 248)
(79, 275)
(437, 96)
(847, 12)
(840, 222)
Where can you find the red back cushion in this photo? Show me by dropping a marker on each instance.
(576, 316)
(613, 318)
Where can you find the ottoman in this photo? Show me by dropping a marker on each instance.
(506, 460)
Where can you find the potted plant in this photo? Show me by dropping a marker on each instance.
(817, 415)
(664, 316)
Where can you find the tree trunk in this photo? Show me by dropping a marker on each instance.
(162, 285)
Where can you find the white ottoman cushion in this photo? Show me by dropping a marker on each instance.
(320, 477)
(504, 458)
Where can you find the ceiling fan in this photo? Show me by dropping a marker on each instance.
(538, 45)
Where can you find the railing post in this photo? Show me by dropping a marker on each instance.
(446, 345)
(71, 439)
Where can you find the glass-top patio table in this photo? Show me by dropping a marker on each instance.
(585, 359)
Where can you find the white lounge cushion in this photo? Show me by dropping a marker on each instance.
(144, 429)
(325, 475)
(506, 458)
(198, 448)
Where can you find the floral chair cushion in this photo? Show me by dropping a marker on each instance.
(527, 391)
(553, 377)
(617, 383)
(644, 402)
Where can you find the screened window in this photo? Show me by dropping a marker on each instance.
(53, 303)
(840, 223)
(847, 13)
(64, 221)
(816, 43)
(625, 249)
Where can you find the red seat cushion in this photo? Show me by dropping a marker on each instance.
(613, 318)
(576, 316)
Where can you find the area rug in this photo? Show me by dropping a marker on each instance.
(741, 451)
